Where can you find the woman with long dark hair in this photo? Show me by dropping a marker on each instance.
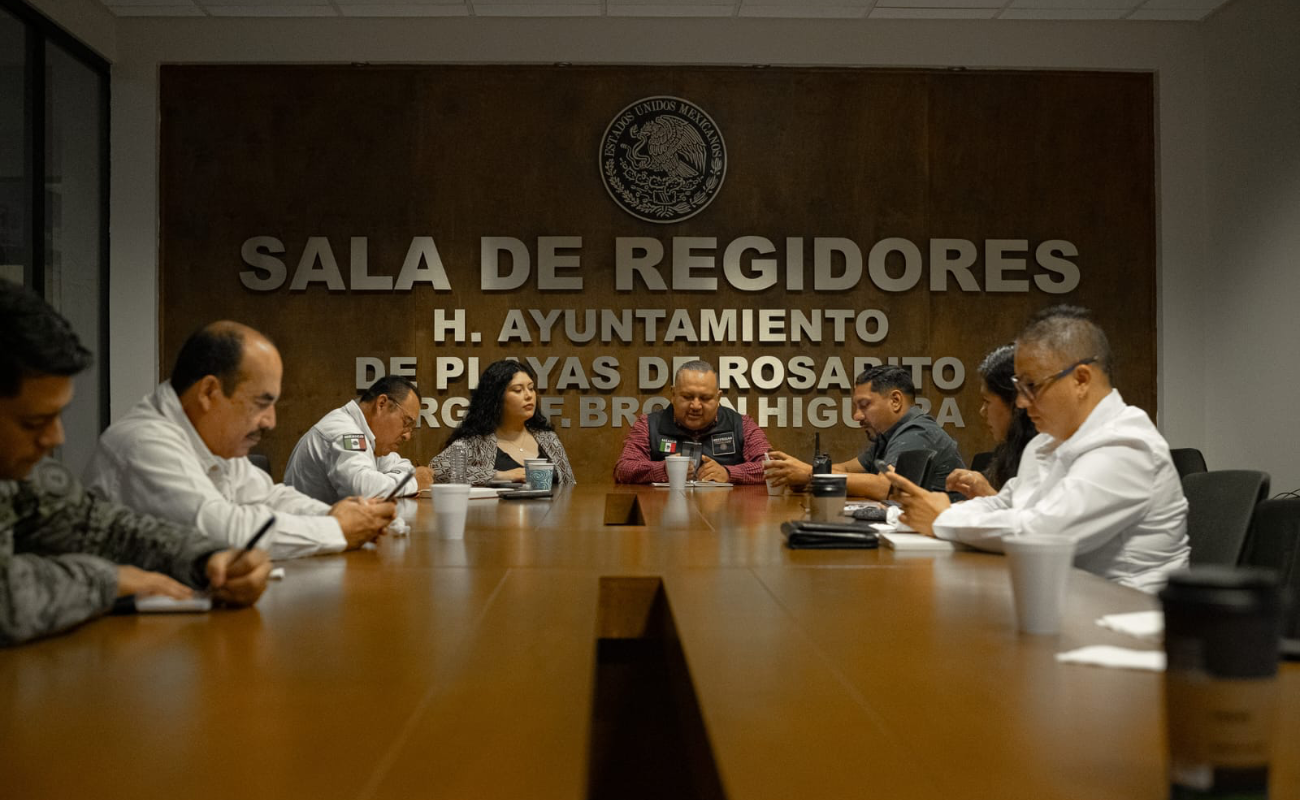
(1010, 426)
(502, 428)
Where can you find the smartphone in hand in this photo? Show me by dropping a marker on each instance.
(882, 468)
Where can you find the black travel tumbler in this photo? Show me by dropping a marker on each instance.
(1222, 627)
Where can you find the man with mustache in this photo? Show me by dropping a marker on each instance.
(181, 453)
(66, 555)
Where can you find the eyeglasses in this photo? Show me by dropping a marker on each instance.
(408, 422)
(1030, 390)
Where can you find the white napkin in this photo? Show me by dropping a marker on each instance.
(1148, 625)
(398, 527)
(913, 541)
(1103, 655)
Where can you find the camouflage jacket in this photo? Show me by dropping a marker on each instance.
(60, 547)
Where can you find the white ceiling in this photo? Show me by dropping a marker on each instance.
(1178, 10)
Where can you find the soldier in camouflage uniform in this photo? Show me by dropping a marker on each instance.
(65, 556)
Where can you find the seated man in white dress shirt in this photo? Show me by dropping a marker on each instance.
(353, 449)
(180, 454)
(1098, 473)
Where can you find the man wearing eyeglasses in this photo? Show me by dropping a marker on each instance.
(353, 449)
(181, 453)
(1098, 473)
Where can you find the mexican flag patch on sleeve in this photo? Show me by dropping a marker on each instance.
(353, 441)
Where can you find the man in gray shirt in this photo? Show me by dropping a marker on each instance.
(65, 555)
(884, 405)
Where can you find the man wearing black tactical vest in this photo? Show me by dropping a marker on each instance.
(732, 444)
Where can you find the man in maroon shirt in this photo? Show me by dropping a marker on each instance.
(732, 444)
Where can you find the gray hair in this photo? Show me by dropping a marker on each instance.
(1069, 332)
(693, 366)
(397, 388)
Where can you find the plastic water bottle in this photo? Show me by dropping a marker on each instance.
(459, 463)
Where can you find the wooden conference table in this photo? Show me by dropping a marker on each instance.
(729, 666)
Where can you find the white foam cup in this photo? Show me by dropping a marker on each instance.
(1040, 578)
(772, 491)
(677, 466)
(450, 507)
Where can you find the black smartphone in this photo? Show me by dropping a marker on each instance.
(809, 526)
(405, 480)
(882, 468)
(525, 494)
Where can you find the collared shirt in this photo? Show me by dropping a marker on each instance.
(60, 548)
(1111, 487)
(915, 431)
(635, 465)
(336, 459)
(154, 461)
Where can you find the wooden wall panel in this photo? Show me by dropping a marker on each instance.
(462, 152)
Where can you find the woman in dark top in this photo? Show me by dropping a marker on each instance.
(503, 427)
(1010, 426)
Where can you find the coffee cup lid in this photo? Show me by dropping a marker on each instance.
(1229, 587)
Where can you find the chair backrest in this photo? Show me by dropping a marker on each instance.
(261, 462)
(915, 465)
(1220, 507)
(981, 461)
(1274, 542)
(1188, 461)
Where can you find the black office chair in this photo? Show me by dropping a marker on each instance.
(916, 466)
(1188, 461)
(1221, 505)
(261, 462)
(980, 461)
(1274, 542)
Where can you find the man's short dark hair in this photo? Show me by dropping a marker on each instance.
(214, 349)
(693, 366)
(1070, 332)
(395, 386)
(886, 378)
(34, 340)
